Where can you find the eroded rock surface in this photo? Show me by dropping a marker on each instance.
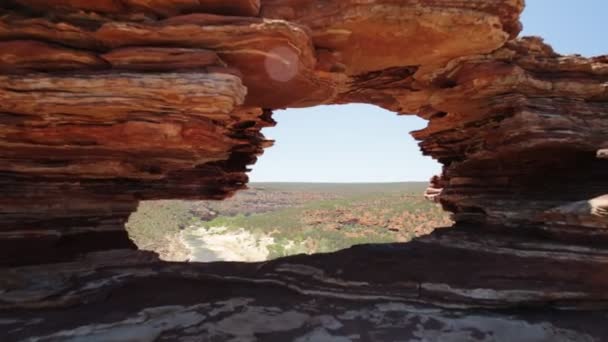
(509, 291)
(105, 103)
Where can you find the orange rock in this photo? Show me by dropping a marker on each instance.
(160, 59)
(18, 55)
(158, 7)
(105, 103)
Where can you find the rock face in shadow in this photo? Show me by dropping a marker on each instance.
(106, 103)
(483, 285)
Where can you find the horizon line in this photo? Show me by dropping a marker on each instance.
(348, 182)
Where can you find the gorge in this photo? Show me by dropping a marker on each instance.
(109, 102)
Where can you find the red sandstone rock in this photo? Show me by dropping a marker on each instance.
(33, 55)
(160, 59)
(159, 7)
(105, 103)
(434, 190)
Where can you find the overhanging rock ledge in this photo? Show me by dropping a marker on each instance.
(105, 103)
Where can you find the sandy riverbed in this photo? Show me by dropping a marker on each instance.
(221, 244)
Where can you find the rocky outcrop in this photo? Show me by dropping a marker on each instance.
(471, 275)
(105, 103)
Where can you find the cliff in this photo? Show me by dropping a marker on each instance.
(106, 103)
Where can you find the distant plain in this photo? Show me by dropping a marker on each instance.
(295, 217)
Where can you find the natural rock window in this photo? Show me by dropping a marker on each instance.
(105, 103)
(337, 176)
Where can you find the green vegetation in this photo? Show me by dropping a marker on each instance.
(330, 225)
(156, 224)
(300, 217)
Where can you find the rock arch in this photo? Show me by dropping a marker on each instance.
(106, 103)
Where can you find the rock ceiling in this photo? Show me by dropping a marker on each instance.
(105, 103)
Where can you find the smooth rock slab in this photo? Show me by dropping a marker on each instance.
(275, 315)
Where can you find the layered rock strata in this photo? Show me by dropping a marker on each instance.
(484, 285)
(106, 103)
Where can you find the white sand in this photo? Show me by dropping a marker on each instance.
(230, 245)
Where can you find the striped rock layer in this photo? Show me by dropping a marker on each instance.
(105, 103)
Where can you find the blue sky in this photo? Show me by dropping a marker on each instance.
(363, 143)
